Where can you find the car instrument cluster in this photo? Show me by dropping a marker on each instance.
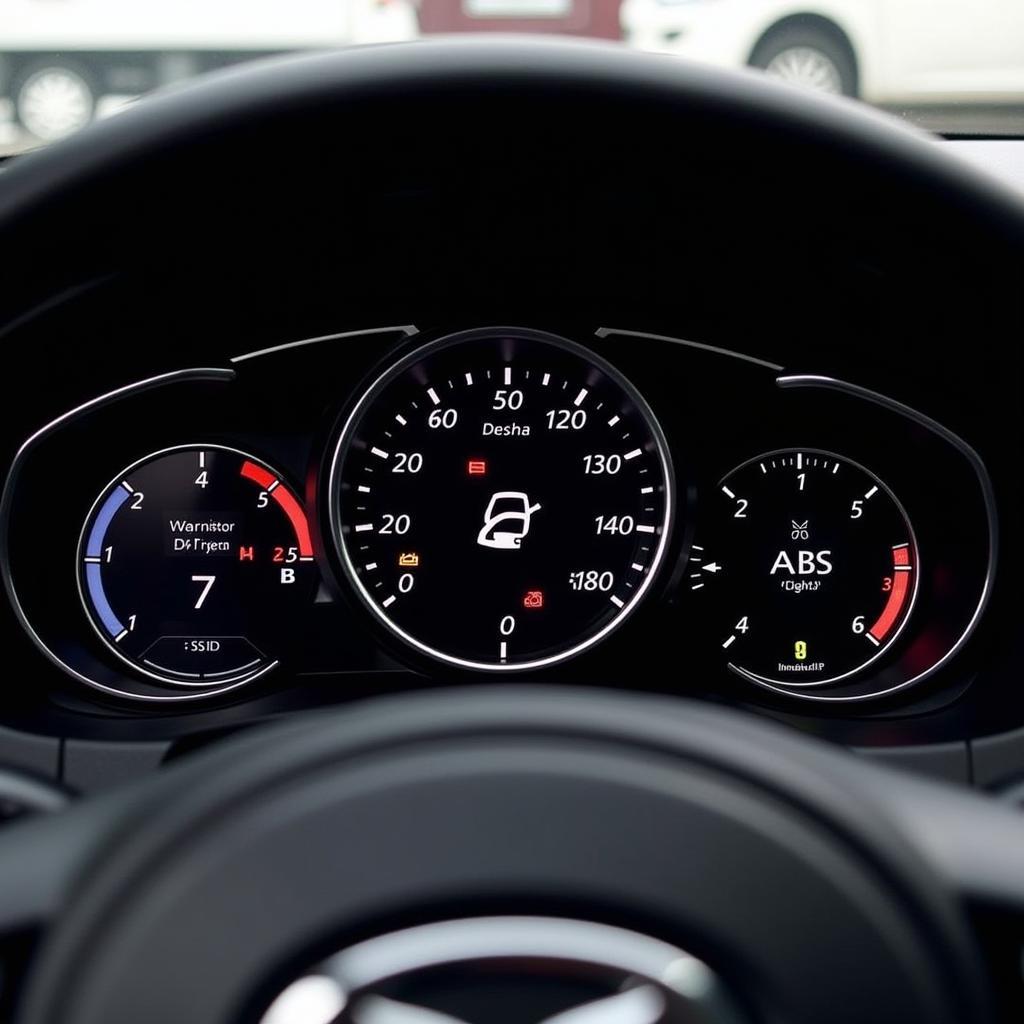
(504, 502)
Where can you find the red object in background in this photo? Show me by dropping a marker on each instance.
(477, 467)
(598, 19)
(534, 599)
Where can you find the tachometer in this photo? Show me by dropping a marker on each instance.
(814, 566)
(501, 499)
(188, 560)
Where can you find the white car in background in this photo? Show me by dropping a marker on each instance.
(64, 63)
(883, 51)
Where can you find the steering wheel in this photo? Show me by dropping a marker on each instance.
(507, 854)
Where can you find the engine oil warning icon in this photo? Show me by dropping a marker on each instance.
(507, 520)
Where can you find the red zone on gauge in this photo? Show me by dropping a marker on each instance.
(288, 502)
(899, 592)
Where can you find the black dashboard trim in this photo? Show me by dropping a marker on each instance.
(609, 332)
(407, 330)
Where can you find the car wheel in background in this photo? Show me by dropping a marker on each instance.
(53, 100)
(808, 56)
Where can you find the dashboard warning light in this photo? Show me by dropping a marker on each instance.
(477, 467)
(408, 560)
(246, 554)
(534, 599)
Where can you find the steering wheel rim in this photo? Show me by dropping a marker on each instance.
(88, 971)
(194, 146)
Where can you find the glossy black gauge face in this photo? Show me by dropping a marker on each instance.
(812, 567)
(189, 561)
(501, 500)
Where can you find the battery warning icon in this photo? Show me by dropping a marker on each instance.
(408, 560)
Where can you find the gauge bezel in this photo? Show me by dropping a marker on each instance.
(787, 687)
(393, 371)
(200, 688)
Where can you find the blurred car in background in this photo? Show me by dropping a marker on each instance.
(883, 51)
(954, 66)
(62, 64)
(597, 19)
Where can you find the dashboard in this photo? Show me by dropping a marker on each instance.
(498, 501)
(586, 411)
(396, 508)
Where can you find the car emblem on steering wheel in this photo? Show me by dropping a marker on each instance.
(642, 1005)
(508, 970)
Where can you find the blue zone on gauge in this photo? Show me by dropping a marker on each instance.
(94, 559)
(191, 563)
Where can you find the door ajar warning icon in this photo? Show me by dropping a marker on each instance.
(507, 520)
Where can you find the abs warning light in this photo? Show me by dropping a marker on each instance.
(477, 467)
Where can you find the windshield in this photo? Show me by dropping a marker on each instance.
(954, 66)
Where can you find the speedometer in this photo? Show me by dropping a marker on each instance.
(501, 499)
